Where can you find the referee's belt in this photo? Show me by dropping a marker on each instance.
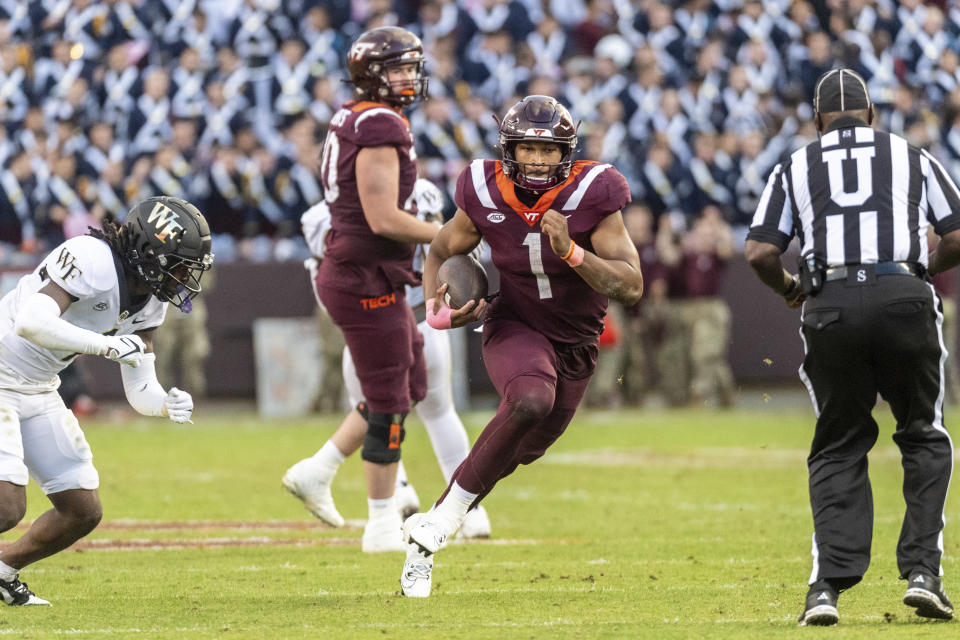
(880, 269)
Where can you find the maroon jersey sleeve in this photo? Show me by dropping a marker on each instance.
(464, 184)
(380, 126)
(609, 191)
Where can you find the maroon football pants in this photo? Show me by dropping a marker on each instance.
(386, 346)
(540, 386)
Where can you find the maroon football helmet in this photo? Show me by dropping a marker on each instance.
(377, 50)
(537, 119)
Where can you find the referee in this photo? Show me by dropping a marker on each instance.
(859, 202)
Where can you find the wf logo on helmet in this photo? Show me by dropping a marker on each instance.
(167, 221)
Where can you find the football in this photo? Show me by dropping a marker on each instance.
(465, 278)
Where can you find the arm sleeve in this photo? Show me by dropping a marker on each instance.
(142, 388)
(39, 321)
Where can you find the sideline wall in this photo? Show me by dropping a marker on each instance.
(764, 329)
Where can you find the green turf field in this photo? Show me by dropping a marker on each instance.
(637, 524)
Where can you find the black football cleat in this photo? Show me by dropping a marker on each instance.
(925, 594)
(821, 606)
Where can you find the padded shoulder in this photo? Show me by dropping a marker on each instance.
(600, 187)
(378, 126)
(474, 184)
(83, 266)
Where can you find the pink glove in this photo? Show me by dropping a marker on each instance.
(439, 320)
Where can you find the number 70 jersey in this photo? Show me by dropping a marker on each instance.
(535, 284)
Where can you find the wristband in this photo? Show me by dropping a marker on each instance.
(574, 257)
(440, 320)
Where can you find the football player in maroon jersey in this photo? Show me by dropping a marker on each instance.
(558, 240)
(368, 168)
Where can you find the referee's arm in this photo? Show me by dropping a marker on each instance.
(947, 254)
(943, 212)
(765, 260)
(770, 233)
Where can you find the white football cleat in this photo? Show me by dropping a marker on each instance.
(306, 482)
(417, 576)
(408, 502)
(383, 534)
(475, 525)
(427, 531)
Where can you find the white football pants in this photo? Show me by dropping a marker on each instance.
(40, 435)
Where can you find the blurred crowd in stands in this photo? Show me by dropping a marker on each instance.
(673, 344)
(226, 103)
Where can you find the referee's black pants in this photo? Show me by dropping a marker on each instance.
(883, 336)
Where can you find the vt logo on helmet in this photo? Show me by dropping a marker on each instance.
(168, 247)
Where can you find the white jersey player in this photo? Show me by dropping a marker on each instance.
(102, 294)
(310, 479)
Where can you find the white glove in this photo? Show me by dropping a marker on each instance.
(429, 197)
(178, 405)
(312, 265)
(315, 223)
(126, 350)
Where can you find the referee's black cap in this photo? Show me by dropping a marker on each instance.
(840, 90)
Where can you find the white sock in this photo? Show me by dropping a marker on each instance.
(454, 507)
(381, 507)
(401, 475)
(461, 495)
(446, 432)
(7, 573)
(328, 459)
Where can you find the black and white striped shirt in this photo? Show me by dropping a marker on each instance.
(857, 196)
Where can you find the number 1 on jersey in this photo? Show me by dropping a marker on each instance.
(532, 242)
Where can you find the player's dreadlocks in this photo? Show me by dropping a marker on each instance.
(115, 235)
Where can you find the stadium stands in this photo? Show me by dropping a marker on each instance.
(225, 102)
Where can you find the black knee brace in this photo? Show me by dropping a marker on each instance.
(385, 432)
